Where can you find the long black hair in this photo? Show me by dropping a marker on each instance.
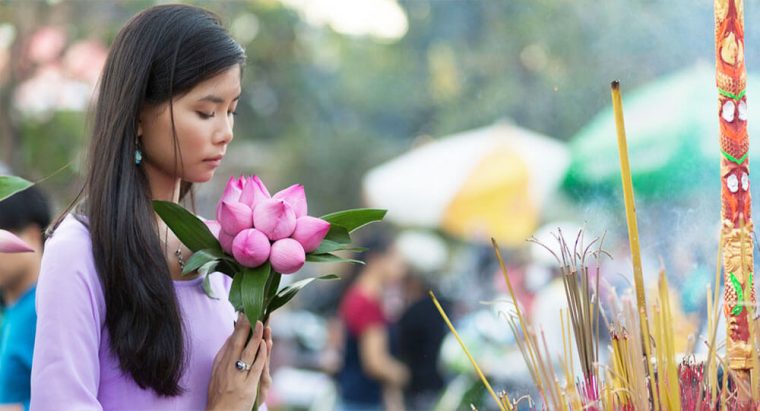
(160, 54)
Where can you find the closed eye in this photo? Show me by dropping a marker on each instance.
(205, 116)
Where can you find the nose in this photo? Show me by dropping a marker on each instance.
(224, 135)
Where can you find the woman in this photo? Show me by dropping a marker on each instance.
(118, 326)
(371, 378)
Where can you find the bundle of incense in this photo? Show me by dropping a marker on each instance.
(628, 381)
(668, 382)
(583, 309)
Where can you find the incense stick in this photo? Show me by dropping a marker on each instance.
(630, 210)
(467, 352)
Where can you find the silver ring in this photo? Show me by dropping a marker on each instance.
(242, 365)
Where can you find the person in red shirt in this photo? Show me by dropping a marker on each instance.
(371, 378)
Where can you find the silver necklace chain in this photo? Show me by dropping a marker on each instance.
(177, 253)
(180, 259)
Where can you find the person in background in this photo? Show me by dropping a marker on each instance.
(420, 329)
(25, 214)
(371, 378)
(420, 334)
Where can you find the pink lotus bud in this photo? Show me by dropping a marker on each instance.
(233, 189)
(261, 185)
(296, 197)
(9, 243)
(254, 192)
(287, 256)
(275, 218)
(251, 248)
(235, 217)
(232, 192)
(310, 231)
(214, 227)
(226, 241)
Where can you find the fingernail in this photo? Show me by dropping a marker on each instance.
(259, 326)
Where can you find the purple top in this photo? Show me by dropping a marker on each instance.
(73, 367)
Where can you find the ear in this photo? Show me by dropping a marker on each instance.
(139, 128)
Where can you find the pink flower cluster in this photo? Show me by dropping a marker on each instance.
(10, 243)
(255, 226)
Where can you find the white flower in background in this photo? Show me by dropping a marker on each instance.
(37, 95)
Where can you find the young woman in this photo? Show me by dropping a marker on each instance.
(371, 378)
(118, 326)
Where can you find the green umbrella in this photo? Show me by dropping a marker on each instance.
(672, 130)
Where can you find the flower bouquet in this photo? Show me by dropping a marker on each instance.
(257, 237)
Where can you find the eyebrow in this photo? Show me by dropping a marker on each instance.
(216, 99)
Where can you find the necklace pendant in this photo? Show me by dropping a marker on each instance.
(180, 259)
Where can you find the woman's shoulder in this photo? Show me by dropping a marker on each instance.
(68, 277)
(69, 249)
(72, 232)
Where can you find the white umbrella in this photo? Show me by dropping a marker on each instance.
(487, 182)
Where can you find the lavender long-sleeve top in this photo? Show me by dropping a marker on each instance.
(73, 367)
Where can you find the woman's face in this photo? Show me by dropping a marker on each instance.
(203, 120)
(394, 265)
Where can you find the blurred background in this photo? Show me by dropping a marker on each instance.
(465, 119)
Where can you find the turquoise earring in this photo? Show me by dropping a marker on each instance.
(138, 153)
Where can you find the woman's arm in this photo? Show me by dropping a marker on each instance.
(65, 367)
(376, 359)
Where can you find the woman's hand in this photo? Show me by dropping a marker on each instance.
(234, 389)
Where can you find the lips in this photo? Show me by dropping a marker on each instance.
(215, 161)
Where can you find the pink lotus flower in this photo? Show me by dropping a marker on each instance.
(235, 217)
(9, 243)
(310, 231)
(226, 241)
(232, 192)
(214, 227)
(275, 218)
(254, 192)
(287, 256)
(296, 197)
(251, 248)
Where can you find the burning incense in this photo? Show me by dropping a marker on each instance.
(630, 215)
